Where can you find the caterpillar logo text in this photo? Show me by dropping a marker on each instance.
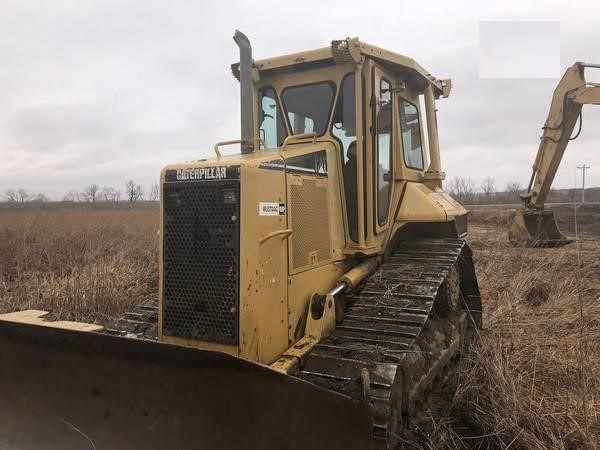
(202, 173)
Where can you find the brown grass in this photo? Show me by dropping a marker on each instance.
(532, 381)
(79, 264)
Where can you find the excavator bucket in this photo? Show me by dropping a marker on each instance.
(65, 389)
(536, 228)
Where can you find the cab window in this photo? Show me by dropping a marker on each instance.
(411, 135)
(308, 107)
(344, 129)
(384, 151)
(272, 128)
(312, 163)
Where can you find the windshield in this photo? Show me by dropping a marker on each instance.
(272, 129)
(308, 107)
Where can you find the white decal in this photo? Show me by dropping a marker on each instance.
(271, 209)
(202, 173)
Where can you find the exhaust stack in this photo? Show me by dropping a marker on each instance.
(246, 97)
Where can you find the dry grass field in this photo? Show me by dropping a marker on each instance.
(80, 264)
(531, 382)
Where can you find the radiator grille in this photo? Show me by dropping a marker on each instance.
(201, 260)
(310, 222)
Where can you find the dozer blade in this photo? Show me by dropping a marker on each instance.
(536, 228)
(64, 389)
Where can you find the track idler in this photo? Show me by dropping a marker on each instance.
(536, 228)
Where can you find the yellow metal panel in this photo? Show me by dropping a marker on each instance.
(417, 205)
(451, 206)
(308, 217)
(263, 277)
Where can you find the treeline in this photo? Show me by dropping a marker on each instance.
(90, 194)
(465, 190)
(468, 192)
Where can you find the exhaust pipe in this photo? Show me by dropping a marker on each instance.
(246, 96)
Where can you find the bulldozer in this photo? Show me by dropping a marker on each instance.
(315, 287)
(533, 225)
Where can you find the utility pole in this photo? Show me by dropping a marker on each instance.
(583, 168)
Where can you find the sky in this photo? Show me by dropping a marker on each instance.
(107, 91)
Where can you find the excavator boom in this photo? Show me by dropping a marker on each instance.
(534, 226)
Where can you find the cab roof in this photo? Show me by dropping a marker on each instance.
(352, 51)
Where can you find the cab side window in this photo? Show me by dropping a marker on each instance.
(344, 129)
(384, 151)
(411, 135)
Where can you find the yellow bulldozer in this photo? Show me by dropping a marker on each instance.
(533, 225)
(314, 287)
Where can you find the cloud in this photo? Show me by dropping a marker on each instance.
(104, 92)
(519, 49)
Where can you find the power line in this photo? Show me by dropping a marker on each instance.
(583, 168)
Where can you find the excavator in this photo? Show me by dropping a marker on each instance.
(533, 225)
(315, 287)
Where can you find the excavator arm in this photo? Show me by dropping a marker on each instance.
(569, 96)
(533, 226)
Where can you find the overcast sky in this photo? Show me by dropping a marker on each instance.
(106, 91)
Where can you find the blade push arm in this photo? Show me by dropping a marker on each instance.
(571, 93)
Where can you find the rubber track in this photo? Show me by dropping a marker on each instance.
(383, 321)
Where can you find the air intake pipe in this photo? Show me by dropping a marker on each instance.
(246, 92)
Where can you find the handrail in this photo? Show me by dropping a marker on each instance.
(297, 137)
(283, 233)
(236, 141)
(219, 144)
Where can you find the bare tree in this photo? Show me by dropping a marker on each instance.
(134, 191)
(110, 195)
(488, 187)
(39, 198)
(71, 196)
(90, 193)
(12, 196)
(154, 192)
(23, 195)
(462, 189)
(513, 189)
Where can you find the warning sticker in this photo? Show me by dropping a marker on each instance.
(271, 209)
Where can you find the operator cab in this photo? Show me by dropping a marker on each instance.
(375, 124)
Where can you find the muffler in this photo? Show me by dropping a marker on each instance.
(536, 228)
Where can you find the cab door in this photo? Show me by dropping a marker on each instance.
(383, 155)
